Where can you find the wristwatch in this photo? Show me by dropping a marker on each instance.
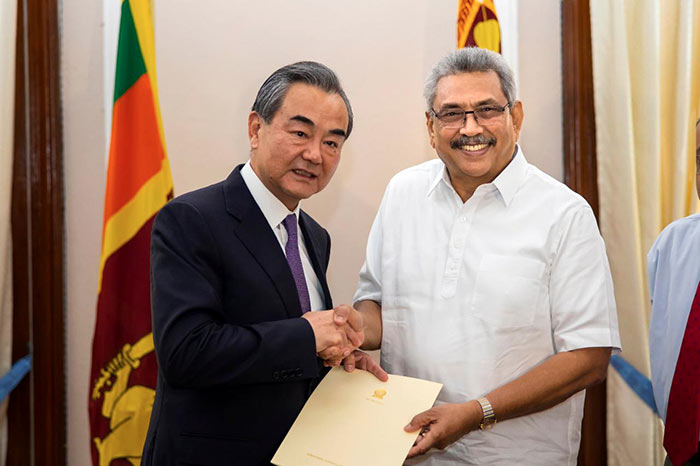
(489, 418)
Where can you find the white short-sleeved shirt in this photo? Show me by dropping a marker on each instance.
(674, 273)
(475, 294)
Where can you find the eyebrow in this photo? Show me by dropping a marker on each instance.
(489, 101)
(307, 121)
(338, 132)
(302, 119)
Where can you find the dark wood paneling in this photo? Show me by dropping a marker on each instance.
(19, 423)
(580, 171)
(580, 174)
(37, 415)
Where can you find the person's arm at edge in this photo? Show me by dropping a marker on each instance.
(544, 386)
(371, 312)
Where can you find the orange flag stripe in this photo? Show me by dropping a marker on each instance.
(143, 22)
(136, 153)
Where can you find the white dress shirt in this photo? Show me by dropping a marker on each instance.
(475, 294)
(674, 272)
(275, 212)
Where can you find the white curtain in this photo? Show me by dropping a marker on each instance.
(8, 24)
(646, 83)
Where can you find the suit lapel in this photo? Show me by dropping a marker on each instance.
(317, 246)
(255, 234)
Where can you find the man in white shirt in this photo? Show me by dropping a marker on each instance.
(674, 286)
(487, 275)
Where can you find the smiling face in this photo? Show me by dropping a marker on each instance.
(474, 154)
(296, 154)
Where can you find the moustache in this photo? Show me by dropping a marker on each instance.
(467, 140)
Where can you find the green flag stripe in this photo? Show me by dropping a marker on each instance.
(130, 64)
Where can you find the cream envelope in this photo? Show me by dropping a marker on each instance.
(352, 418)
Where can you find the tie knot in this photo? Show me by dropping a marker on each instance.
(290, 224)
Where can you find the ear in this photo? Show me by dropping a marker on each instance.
(429, 122)
(255, 124)
(516, 112)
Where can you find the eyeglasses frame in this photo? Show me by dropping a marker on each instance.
(473, 112)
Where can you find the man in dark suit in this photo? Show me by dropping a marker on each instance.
(234, 269)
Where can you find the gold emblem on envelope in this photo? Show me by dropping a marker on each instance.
(379, 394)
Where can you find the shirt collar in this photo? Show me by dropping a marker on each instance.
(510, 179)
(507, 182)
(441, 175)
(272, 208)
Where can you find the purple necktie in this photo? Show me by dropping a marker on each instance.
(292, 251)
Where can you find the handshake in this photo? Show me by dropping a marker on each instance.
(339, 332)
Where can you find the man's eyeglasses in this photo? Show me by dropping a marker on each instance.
(456, 117)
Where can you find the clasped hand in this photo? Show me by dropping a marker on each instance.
(339, 332)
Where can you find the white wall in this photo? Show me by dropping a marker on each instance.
(539, 25)
(212, 58)
(84, 171)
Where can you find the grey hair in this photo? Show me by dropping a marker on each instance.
(470, 60)
(274, 89)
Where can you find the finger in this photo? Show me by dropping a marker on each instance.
(424, 442)
(419, 420)
(338, 350)
(337, 339)
(341, 314)
(345, 347)
(331, 352)
(418, 449)
(349, 363)
(354, 337)
(370, 365)
(355, 319)
(333, 362)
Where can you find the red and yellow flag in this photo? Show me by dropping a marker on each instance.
(477, 25)
(123, 374)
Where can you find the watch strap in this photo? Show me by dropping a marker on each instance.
(489, 418)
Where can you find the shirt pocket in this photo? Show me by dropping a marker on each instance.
(507, 290)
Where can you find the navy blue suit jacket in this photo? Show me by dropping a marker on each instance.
(236, 361)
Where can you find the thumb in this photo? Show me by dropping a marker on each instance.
(341, 314)
(418, 421)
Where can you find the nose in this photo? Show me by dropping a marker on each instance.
(470, 126)
(312, 153)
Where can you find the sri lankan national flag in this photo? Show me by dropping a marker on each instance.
(477, 25)
(123, 374)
